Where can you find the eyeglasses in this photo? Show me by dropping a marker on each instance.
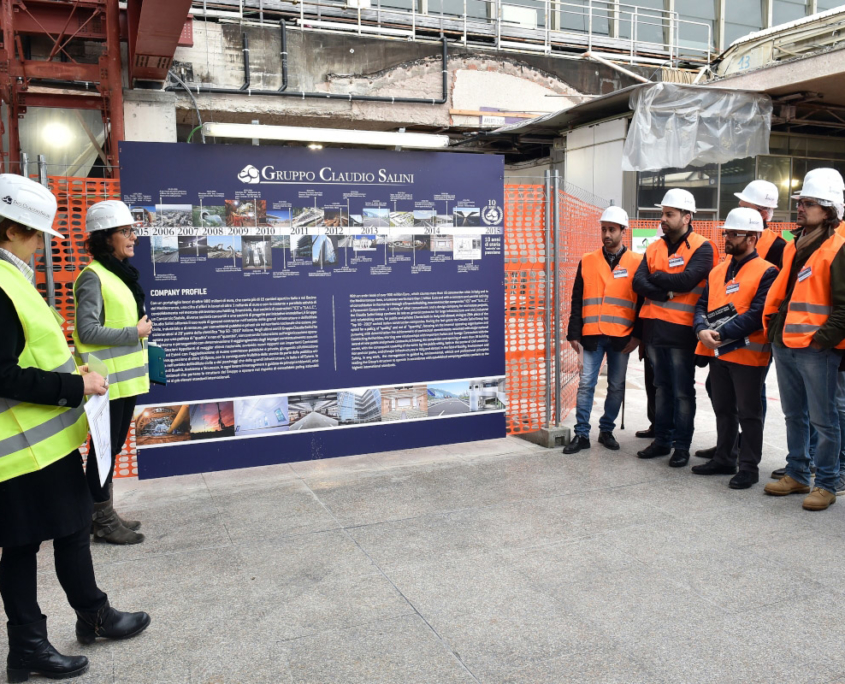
(126, 232)
(806, 204)
(732, 234)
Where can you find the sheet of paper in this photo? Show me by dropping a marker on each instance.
(99, 421)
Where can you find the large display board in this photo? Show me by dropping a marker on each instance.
(316, 303)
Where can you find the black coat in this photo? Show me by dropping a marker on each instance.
(52, 502)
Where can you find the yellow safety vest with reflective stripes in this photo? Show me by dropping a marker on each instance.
(128, 366)
(32, 436)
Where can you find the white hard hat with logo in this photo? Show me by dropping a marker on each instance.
(614, 214)
(823, 184)
(744, 219)
(760, 193)
(29, 203)
(677, 198)
(109, 214)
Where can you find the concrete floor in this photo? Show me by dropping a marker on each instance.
(484, 562)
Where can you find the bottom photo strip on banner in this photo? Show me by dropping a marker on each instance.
(159, 425)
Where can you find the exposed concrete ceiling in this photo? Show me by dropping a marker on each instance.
(822, 73)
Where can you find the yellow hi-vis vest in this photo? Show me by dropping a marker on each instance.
(128, 366)
(32, 436)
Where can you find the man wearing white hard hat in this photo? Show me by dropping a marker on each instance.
(729, 326)
(602, 325)
(671, 278)
(111, 323)
(763, 196)
(804, 319)
(43, 494)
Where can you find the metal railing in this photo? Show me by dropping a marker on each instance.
(612, 29)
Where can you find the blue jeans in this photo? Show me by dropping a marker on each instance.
(807, 379)
(840, 409)
(617, 366)
(674, 378)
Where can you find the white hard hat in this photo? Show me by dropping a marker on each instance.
(678, 198)
(109, 214)
(29, 203)
(615, 214)
(745, 219)
(823, 184)
(760, 193)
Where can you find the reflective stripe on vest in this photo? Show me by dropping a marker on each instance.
(128, 365)
(609, 303)
(681, 309)
(757, 352)
(810, 304)
(33, 436)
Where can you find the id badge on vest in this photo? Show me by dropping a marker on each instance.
(805, 273)
(620, 273)
(676, 261)
(731, 288)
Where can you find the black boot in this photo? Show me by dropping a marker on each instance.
(30, 652)
(109, 623)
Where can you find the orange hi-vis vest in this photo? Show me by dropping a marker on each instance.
(610, 303)
(740, 291)
(680, 309)
(810, 304)
(765, 242)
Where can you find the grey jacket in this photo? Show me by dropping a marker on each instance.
(90, 316)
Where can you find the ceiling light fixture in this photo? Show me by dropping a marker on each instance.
(419, 141)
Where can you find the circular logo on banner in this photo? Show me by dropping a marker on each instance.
(491, 215)
(249, 174)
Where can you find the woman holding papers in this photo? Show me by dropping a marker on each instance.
(43, 494)
(111, 324)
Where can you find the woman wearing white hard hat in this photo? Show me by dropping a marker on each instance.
(43, 494)
(763, 196)
(111, 323)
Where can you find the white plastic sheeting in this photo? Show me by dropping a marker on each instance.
(675, 126)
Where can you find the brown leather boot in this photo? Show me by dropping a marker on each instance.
(786, 485)
(108, 528)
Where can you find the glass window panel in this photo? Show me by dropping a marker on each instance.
(776, 170)
(735, 175)
(745, 12)
(788, 10)
(694, 35)
(574, 15)
(702, 182)
(649, 23)
(828, 4)
(476, 9)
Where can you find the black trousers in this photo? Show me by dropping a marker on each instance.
(19, 573)
(736, 403)
(650, 390)
(120, 415)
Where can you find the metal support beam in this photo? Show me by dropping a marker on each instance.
(547, 299)
(112, 78)
(556, 282)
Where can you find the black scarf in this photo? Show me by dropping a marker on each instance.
(129, 275)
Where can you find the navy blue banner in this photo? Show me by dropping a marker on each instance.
(302, 293)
